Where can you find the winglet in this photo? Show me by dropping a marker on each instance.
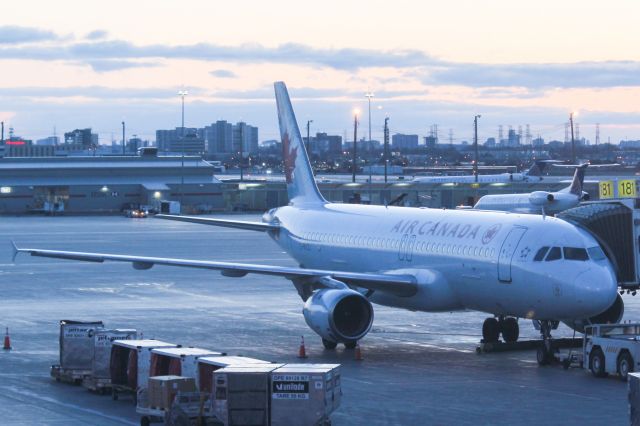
(16, 251)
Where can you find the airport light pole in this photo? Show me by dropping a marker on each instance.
(309, 140)
(182, 94)
(355, 138)
(386, 147)
(123, 140)
(573, 142)
(475, 145)
(369, 95)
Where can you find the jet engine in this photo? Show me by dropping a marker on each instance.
(541, 198)
(612, 315)
(338, 315)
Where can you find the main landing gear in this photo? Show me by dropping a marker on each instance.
(494, 327)
(546, 352)
(330, 344)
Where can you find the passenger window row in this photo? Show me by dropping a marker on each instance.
(394, 244)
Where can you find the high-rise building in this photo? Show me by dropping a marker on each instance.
(247, 135)
(401, 141)
(219, 137)
(82, 137)
(323, 143)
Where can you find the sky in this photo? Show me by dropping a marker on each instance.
(74, 64)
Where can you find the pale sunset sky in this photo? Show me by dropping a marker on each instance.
(73, 64)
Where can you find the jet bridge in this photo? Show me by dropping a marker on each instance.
(616, 226)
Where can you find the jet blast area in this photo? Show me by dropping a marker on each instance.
(418, 368)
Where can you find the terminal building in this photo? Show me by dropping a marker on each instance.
(80, 185)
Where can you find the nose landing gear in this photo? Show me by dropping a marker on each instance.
(546, 352)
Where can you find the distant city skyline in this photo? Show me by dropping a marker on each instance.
(73, 64)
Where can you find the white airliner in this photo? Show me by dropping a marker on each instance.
(507, 265)
(534, 173)
(539, 202)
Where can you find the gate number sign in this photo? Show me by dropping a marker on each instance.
(624, 188)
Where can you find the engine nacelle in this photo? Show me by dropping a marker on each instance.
(541, 198)
(338, 315)
(612, 315)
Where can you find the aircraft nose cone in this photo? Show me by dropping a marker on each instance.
(595, 290)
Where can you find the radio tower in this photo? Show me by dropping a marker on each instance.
(597, 133)
(527, 135)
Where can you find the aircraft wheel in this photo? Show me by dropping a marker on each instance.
(351, 344)
(510, 330)
(625, 365)
(596, 362)
(490, 330)
(329, 344)
(542, 356)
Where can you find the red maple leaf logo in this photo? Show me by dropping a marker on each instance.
(290, 156)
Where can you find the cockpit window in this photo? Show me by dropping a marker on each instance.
(554, 254)
(575, 253)
(540, 254)
(596, 253)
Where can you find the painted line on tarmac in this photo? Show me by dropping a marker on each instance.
(348, 379)
(430, 346)
(33, 396)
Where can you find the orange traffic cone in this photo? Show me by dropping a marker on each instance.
(302, 352)
(7, 341)
(358, 353)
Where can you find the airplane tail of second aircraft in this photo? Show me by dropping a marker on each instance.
(301, 185)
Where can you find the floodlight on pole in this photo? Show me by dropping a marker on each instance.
(475, 146)
(182, 94)
(356, 112)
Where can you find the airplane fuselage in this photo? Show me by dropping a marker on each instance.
(484, 260)
(499, 178)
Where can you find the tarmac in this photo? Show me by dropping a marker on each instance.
(418, 368)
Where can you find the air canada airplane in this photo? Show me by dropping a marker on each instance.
(433, 260)
(539, 202)
(534, 173)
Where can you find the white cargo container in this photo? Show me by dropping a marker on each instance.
(241, 394)
(304, 394)
(76, 350)
(208, 364)
(129, 365)
(178, 361)
(100, 378)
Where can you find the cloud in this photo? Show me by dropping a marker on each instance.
(106, 65)
(11, 34)
(96, 92)
(223, 74)
(537, 76)
(97, 35)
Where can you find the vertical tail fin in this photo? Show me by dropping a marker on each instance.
(578, 180)
(301, 186)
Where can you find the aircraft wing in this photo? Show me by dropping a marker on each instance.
(399, 285)
(239, 224)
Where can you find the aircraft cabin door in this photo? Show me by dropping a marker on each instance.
(507, 251)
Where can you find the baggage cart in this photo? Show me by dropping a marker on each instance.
(76, 350)
(99, 380)
(129, 365)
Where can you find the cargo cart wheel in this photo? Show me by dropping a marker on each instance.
(328, 344)
(542, 356)
(145, 421)
(625, 365)
(510, 330)
(351, 344)
(490, 330)
(596, 362)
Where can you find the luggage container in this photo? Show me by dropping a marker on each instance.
(241, 394)
(176, 361)
(100, 378)
(129, 365)
(162, 390)
(332, 375)
(76, 350)
(208, 364)
(304, 394)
